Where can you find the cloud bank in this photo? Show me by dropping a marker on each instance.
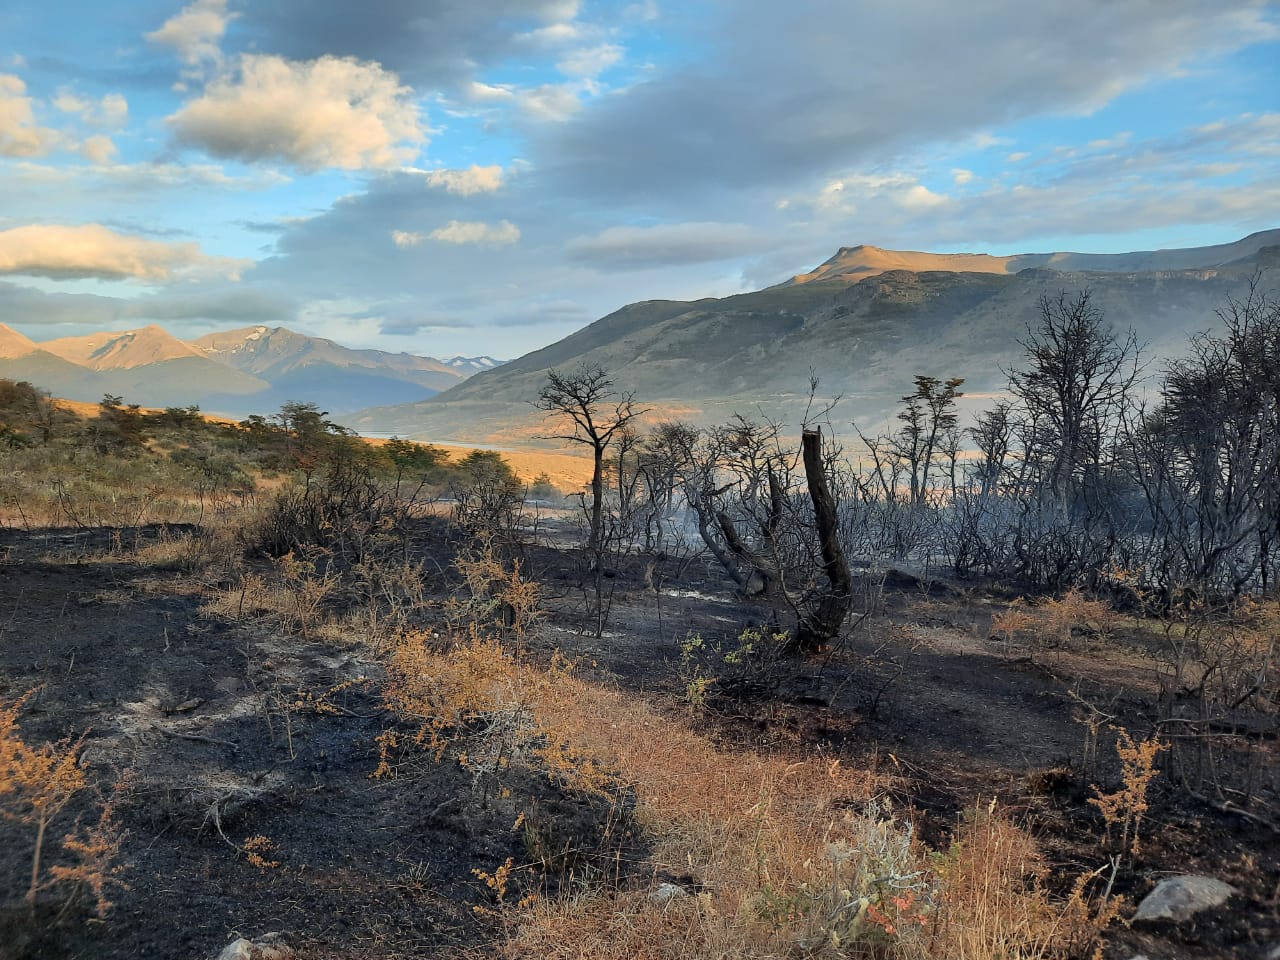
(92, 250)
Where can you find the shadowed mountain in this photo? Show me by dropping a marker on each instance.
(320, 371)
(865, 335)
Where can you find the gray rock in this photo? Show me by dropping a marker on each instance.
(664, 893)
(1179, 898)
(270, 946)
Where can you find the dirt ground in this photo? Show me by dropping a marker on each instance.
(196, 705)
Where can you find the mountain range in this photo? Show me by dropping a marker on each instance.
(249, 370)
(864, 323)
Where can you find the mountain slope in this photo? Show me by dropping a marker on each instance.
(121, 350)
(340, 379)
(864, 336)
(13, 344)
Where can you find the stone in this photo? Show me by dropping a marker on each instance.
(270, 946)
(664, 893)
(1180, 898)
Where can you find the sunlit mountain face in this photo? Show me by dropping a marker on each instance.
(250, 370)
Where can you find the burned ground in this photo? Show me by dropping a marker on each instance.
(211, 714)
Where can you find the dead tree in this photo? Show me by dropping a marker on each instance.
(586, 397)
(823, 621)
(776, 533)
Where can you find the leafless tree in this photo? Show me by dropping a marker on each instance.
(597, 413)
(1079, 376)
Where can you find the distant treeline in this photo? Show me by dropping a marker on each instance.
(213, 455)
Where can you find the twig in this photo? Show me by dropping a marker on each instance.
(194, 737)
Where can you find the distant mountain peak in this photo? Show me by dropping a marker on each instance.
(121, 350)
(472, 363)
(853, 264)
(13, 344)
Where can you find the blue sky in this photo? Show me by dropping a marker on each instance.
(447, 176)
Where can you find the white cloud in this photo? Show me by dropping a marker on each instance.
(20, 134)
(961, 176)
(553, 34)
(489, 92)
(476, 232)
(465, 183)
(1018, 157)
(405, 238)
(556, 102)
(196, 32)
(864, 193)
(920, 197)
(112, 111)
(92, 250)
(317, 114)
(98, 149)
(591, 61)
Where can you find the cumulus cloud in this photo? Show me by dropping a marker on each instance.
(92, 250)
(195, 33)
(465, 183)
(671, 244)
(20, 134)
(476, 232)
(406, 238)
(555, 102)
(844, 195)
(110, 111)
(318, 114)
(591, 61)
(98, 149)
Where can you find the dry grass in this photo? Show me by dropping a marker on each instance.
(37, 783)
(1054, 621)
(782, 857)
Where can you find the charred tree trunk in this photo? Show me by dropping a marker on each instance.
(822, 624)
(763, 579)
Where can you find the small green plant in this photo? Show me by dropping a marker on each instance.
(745, 661)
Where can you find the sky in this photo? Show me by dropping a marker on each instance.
(467, 177)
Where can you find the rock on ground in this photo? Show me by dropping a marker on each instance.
(269, 947)
(1179, 898)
